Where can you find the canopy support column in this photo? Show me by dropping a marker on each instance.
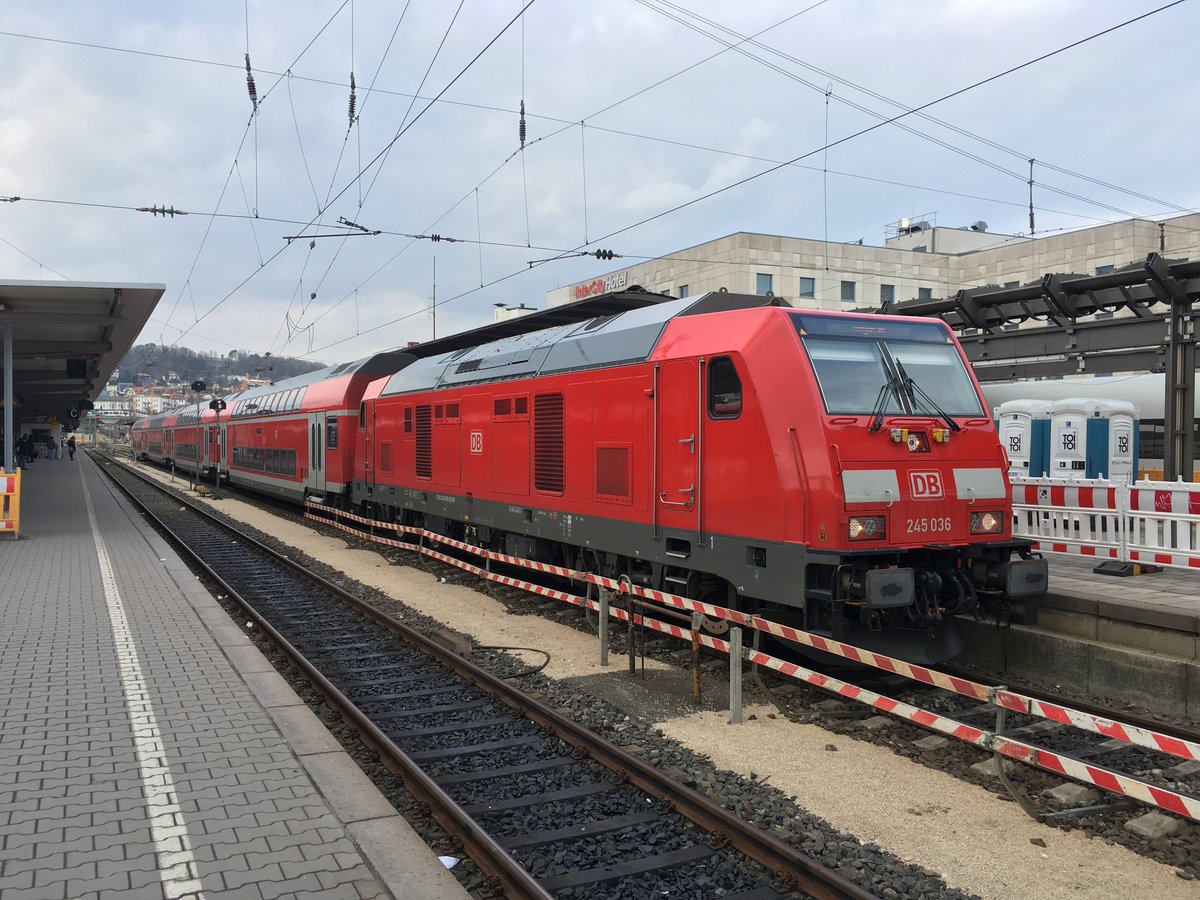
(7, 459)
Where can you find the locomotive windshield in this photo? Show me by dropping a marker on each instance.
(864, 366)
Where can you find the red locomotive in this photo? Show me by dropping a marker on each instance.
(835, 470)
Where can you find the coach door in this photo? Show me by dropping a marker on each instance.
(366, 427)
(677, 466)
(316, 453)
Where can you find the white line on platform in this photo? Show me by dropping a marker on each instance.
(172, 847)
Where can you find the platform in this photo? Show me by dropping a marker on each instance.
(147, 748)
(1132, 639)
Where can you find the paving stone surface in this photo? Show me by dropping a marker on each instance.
(74, 815)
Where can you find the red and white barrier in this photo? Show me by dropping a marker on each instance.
(1080, 518)
(1083, 497)
(1150, 522)
(1164, 524)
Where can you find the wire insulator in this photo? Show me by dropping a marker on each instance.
(250, 84)
(521, 127)
(605, 254)
(353, 99)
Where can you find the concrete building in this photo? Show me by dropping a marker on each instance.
(918, 259)
(111, 405)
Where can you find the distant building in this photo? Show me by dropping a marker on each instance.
(149, 402)
(918, 259)
(504, 312)
(108, 404)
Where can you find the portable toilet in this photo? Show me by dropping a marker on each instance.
(1120, 453)
(1024, 429)
(1093, 439)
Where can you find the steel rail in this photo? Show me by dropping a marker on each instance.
(493, 859)
(794, 869)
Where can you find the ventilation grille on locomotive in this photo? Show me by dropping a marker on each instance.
(548, 442)
(424, 442)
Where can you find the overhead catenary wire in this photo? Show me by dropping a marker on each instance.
(403, 130)
(490, 108)
(868, 111)
(480, 235)
(1022, 156)
(34, 260)
(743, 181)
(241, 145)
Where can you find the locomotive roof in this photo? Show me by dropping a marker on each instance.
(617, 338)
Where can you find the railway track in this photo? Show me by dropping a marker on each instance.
(1084, 746)
(1104, 759)
(543, 806)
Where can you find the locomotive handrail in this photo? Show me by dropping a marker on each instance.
(681, 504)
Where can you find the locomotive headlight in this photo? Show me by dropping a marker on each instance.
(867, 528)
(987, 522)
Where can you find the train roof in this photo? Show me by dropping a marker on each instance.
(373, 366)
(611, 337)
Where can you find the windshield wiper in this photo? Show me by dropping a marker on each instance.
(878, 411)
(916, 392)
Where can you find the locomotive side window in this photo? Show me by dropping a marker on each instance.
(502, 406)
(408, 420)
(548, 443)
(724, 389)
(521, 406)
(424, 441)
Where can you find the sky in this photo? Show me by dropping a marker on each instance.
(651, 126)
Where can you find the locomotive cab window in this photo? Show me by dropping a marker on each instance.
(724, 389)
(865, 366)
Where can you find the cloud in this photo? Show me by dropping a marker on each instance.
(91, 126)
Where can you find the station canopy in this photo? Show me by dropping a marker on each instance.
(67, 339)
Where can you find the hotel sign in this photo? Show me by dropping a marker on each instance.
(600, 286)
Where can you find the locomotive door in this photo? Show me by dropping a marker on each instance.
(677, 467)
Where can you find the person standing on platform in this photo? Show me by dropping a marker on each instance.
(71, 446)
(21, 449)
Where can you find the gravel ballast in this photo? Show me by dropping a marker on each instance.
(937, 821)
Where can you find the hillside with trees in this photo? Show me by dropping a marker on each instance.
(155, 363)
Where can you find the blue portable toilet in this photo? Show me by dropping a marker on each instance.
(1024, 430)
(1093, 439)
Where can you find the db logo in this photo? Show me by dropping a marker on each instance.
(476, 442)
(925, 485)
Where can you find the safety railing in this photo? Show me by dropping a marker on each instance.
(600, 592)
(1148, 522)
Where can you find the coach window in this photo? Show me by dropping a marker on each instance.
(331, 432)
(724, 389)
